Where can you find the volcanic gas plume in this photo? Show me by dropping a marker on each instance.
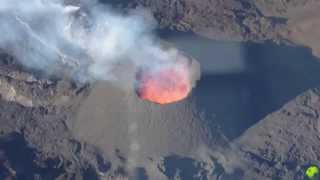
(89, 41)
(166, 84)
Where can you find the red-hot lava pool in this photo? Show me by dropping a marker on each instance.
(165, 84)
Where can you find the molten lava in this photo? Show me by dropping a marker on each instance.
(164, 85)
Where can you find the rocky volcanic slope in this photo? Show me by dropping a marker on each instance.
(36, 112)
(34, 139)
(283, 144)
(281, 21)
(218, 19)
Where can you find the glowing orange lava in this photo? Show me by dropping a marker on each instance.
(165, 85)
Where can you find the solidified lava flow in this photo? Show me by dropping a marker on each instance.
(164, 85)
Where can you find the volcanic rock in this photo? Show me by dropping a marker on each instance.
(38, 114)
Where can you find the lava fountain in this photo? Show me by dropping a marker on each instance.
(167, 83)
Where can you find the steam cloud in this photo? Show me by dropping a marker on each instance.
(89, 41)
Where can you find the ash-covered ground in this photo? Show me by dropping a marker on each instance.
(253, 115)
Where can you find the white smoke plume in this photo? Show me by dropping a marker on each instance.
(87, 41)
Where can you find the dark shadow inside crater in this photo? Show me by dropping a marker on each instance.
(140, 174)
(183, 167)
(242, 83)
(118, 3)
(18, 161)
